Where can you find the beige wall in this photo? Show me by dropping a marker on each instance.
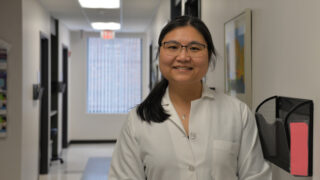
(22, 22)
(11, 32)
(35, 20)
(285, 53)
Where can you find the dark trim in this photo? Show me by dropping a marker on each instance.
(54, 94)
(44, 123)
(175, 10)
(193, 8)
(65, 97)
(93, 141)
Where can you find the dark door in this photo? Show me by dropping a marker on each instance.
(65, 99)
(44, 106)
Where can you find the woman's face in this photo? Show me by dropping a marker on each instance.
(189, 65)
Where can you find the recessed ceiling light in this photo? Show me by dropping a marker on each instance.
(103, 4)
(106, 26)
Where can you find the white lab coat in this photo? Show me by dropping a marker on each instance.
(223, 144)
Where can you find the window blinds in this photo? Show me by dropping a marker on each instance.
(114, 75)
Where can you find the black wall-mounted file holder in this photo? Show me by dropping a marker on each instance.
(285, 127)
(37, 91)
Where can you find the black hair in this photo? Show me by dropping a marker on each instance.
(151, 110)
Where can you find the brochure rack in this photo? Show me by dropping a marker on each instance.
(286, 131)
(4, 49)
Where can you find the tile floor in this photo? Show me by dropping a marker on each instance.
(75, 159)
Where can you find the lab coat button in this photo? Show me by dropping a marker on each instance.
(191, 168)
(193, 136)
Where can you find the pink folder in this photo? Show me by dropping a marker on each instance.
(299, 148)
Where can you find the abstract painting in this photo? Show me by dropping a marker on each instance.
(237, 54)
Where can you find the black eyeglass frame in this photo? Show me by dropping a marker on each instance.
(185, 46)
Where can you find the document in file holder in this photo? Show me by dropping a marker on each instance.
(286, 132)
(299, 148)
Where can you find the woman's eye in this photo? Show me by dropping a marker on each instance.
(172, 47)
(194, 48)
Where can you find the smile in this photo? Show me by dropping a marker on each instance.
(183, 68)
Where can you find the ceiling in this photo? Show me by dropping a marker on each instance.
(134, 15)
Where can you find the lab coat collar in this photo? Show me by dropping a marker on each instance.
(206, 92)
(169, 108)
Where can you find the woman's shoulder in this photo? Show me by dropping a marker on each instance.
(229, 101)
(222, 96)
(134, 119)
(133, 116)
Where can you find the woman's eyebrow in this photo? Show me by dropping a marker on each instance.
(192, 42)
(196, 42)
(172, 41)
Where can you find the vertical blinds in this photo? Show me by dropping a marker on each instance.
(114, 75)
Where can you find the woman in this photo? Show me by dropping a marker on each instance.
(184, 130)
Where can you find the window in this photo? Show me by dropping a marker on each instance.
(114, 75)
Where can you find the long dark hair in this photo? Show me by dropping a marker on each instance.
(151, 110)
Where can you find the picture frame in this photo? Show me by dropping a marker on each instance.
(237, 57)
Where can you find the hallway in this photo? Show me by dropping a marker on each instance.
(284, 61)
(79, 163)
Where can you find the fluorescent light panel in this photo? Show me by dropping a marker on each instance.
(101, 4)
(106, 26)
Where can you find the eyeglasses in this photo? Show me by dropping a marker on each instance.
(193, 49)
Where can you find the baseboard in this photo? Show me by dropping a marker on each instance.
(93, 141)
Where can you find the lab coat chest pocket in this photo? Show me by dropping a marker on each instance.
(225, 155)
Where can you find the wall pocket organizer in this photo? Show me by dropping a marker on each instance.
(286, 131)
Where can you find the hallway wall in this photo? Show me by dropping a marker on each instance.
(34, 20)
(10, 147)
(86, 126)
(285, 54)
(22, 22)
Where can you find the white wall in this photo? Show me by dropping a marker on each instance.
(21, 24)
(10, 147)
(35, 20)
(285, 53)
(86, 126)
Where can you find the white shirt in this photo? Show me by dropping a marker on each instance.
(223, 144)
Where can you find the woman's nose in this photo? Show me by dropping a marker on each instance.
(183, 54)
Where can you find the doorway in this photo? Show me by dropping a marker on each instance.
(65, 62)
(44, 124)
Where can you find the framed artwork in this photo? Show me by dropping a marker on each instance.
(237, 56)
